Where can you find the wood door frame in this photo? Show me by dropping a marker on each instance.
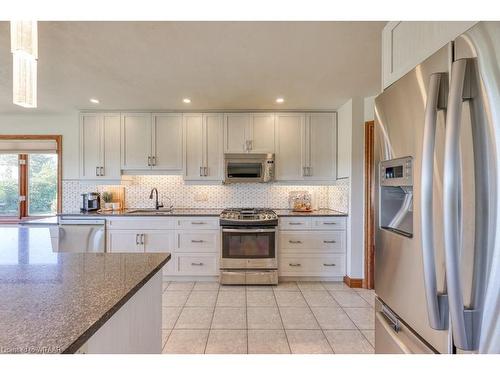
(369, 228)
(58, 140)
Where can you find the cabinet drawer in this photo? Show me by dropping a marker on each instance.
(320, 265)
(304, 241)
(198, 223)
(294, 223)
(198, 241)
(328, 223)
(140, 223)
(198, 264)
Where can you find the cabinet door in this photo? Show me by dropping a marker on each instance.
(213, 146)
(289, 146)
(158, 241)
(235, 127)
(167, 141)
(111, 149)
(136, 140)
(193, 146)
(124, 241)
(90, 145)
(321, 146)
(261, 133)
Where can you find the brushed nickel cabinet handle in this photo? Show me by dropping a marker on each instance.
(153, 158)
(97, 171)
(293, 241)
(295, 223)
(196, 263)
(102, 170)
(329, 264)
(329, 223)
(294, 264)
(142, 238)
(329, 241)
(137, 239)
(198, 222)
(197, 241)
(201, 171)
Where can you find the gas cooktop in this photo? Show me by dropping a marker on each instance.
(251, 216)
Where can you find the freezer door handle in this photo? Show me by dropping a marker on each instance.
(387, 325)
(436, 304)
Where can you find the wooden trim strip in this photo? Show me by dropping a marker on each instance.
(353, 283)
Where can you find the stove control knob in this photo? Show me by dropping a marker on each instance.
(262, 216)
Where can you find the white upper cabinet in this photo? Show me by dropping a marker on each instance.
(99, 150)
(167, 141)
(152, 141)
(136, 141)
(203, 137)
(249, 132)
(306, 146)
(320, 146)
(289, 158)
(406, 44)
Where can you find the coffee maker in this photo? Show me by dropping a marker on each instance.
(90, 202)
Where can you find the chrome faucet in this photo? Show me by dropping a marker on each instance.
(157, 204)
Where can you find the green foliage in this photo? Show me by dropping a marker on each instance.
(9, 189)
(42, 184)
(107, 197)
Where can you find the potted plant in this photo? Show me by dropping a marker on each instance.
(107, 197)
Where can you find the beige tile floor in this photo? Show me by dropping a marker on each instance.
(293, 317)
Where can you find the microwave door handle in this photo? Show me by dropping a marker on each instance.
(436, 304)
(461, 319)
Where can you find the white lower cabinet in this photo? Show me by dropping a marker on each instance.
(194, 242)
(312, 247)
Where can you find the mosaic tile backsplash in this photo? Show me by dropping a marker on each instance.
(182, 195)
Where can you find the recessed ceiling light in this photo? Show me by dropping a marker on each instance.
(280, 100)
(95, 101)
(186, 100)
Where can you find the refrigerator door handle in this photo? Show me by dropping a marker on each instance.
(461, 318)
(437, 305)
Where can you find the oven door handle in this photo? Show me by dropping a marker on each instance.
(248, 230)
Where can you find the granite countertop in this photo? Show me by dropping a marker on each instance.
(199, 212)
(53, 302)
(320, 212)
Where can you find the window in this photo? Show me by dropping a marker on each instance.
(29, 177)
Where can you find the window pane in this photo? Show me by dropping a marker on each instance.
(9, 185)
(42, 184)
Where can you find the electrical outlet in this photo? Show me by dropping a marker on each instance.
(201, 197)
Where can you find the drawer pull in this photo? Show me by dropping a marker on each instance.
(198, 222)
(291, 241)
(197, 241)
(294, 264)
(329, 264)
(332, 241)
(295, 223)
(329, 223)
(196, 263)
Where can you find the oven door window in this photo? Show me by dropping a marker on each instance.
(244, 170)
(249, 245)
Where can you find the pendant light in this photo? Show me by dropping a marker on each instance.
(24, 48)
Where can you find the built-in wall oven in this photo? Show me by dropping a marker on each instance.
(249, 247)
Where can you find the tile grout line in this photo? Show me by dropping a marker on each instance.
(281, 319)
(355, 325)
(211, 320)
(319, 325)
(178, 316)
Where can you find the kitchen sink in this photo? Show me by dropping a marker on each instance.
(152, 211)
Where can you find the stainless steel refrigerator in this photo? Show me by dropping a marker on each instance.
(437, 175)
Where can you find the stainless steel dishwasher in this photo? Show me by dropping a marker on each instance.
(81, 235)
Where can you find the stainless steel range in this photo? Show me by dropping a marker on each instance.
(249, 246)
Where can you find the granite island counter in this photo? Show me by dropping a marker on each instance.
(76, 302)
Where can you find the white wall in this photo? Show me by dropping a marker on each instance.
(65, 125)
(351, 119)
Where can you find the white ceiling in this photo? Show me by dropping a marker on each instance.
(219, 65)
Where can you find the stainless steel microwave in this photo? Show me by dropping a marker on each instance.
(240, 168)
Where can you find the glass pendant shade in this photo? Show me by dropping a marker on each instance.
(24, 37)
(24, 48)
(24, 80)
